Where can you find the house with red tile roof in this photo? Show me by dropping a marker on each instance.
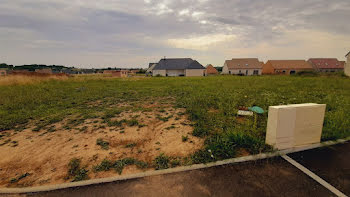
(210, 70)
(326, 64)
(242, 66)
(286, 67)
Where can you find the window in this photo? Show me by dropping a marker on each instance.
(256, 72)
(240, 71)
(229, 72)
(246, 72)
(246, 64)
(284, 71)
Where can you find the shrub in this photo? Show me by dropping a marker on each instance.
(104, 144)
(161, 162)
(104, 166)
(75, 172)
(130, 145)
(184, 138)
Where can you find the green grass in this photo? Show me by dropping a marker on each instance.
(211, 103)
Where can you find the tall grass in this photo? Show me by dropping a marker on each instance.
(27, 79)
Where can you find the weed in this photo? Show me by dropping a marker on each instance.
(132, 122)
(164, 119)
(14, 180)
(175, 163)
(119, 165)
(171, 127)
(132, 145)
(184, 138)
(161, 162)
(111, 113)
(5, 142)
(84, 128)
(75, 172)
(104, 144)
(14, 143)
(104, 166)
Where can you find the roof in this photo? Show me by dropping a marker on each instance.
(290, 64)
(211, 70)
(150, 64)
(151, 68)
(178, 63)
(325, 63)
(244, 63)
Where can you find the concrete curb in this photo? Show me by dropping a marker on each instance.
(167, 171)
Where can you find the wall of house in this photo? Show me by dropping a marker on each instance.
(175, 73)
(347, 66)
(330, 69)
(268, 69)
(244, 71)
(194, 72)
(159, 72)
(224, 69)
(288, 71)
(120, 74)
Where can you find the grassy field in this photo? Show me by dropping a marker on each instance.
(211, 104)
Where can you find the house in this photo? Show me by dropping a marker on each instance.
(210, 70)
(243, 66)
(3, 72)
(326, 64)
(44, 71)
(347, 65)
(178, 67)
(150, 69)
(286, 67)
(116, 73)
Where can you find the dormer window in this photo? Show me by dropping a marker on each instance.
(246, 64)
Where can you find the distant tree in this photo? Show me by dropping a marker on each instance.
(219, 69)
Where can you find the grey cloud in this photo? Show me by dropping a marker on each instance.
(138, 29)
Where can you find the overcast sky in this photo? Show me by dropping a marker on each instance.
(132, 33)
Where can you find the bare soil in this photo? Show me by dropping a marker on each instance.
(45, 155)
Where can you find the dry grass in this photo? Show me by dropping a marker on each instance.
(27, 79)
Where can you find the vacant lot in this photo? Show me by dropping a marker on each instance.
(57, 131)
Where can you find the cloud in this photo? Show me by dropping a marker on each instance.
(116, 32)
(201, 42)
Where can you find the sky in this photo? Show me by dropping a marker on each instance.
(133, 33)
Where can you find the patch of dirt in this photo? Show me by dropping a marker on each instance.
(45, 155)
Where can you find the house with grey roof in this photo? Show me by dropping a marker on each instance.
(149, 71)
(178, 67)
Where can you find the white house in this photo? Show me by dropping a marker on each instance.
(178, 67)
(347, 65)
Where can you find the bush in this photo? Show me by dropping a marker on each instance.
(161, 162)
(104, 144)
(75, 172)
